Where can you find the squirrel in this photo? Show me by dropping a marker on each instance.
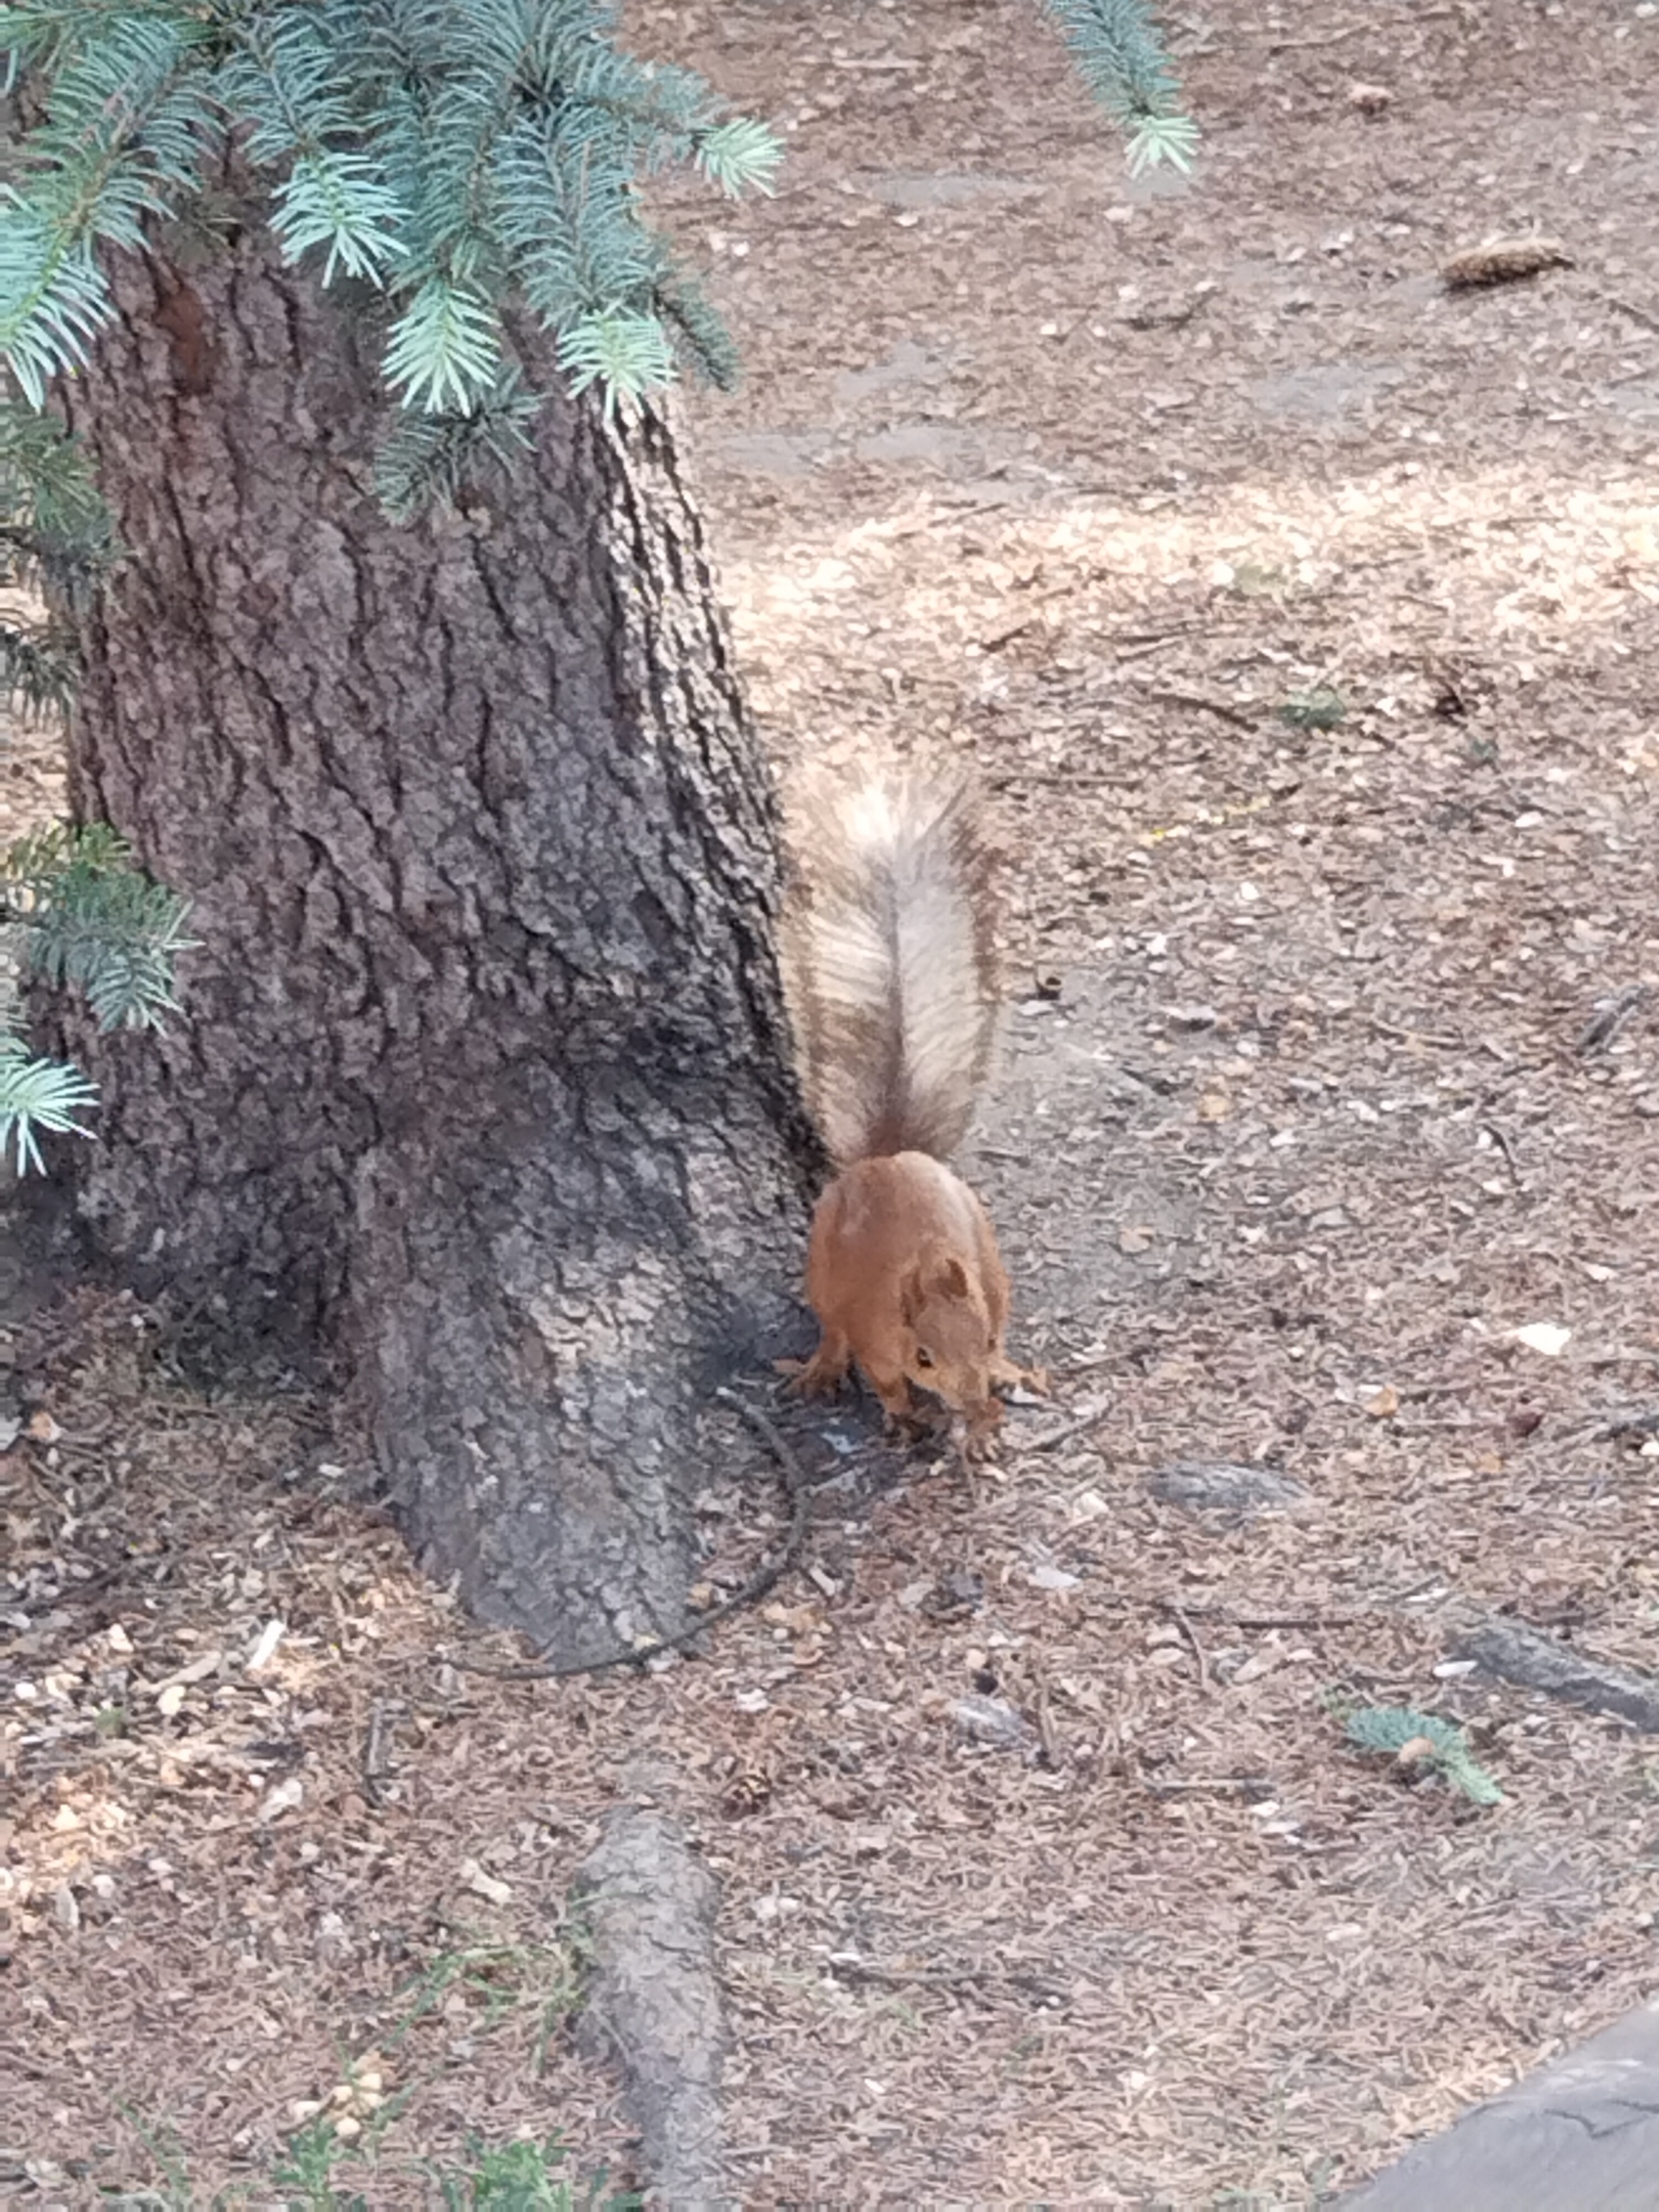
(890, 972)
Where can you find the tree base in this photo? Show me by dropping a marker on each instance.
(535, 1330)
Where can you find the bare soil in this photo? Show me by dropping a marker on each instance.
(1047, 1873)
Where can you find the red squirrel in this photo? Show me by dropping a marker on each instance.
(890, 964)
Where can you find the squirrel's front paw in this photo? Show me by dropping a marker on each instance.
(977, 1434)
(814, 1377)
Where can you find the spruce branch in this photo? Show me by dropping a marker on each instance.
(36, 1095)
(428, 460)
(74, 910)
(122, 138)
(38, 670)
(739, 156)
(567, 223)
(1117, 52)
(462, 155)
(54, 300)
(54, 526)
(444, 354)
(468, 159)
(31, 866)
(626, 354)
(1156, 139)
(282, 78)
(702, 335)
(1437, 1744)
(333, 199)
(87, 918)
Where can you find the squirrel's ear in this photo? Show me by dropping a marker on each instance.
(951, 1280)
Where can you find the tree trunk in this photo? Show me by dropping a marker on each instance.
(481, 1082)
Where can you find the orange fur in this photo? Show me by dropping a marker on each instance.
(903, 1274)
(893, 989)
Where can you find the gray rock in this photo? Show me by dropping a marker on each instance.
(1222, 1486)
(1581, 2135)
(1526, 1655)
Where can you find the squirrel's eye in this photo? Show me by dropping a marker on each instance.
(923, 1357)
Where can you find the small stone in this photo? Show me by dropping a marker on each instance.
(1219, 1486)
(483, 1885)
(990, 1720)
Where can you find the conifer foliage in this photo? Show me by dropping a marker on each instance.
(77, 913)
(455, 167)
(1118, 57)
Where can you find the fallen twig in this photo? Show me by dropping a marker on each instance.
(1191, 1634)
(1415, 1036)
(1503, 1146)
(373, 1760)
(1066, 1432)
(1610, 1018)
(1645, 316)
(1227, 712)
(1326, 38)
(995, 642)
(1217, 1785)
(1230, 1619)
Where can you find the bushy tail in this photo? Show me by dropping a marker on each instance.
(890, 964)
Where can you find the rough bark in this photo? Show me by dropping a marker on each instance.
(483, 1075)
(653, 2005)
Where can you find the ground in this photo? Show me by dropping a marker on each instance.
(1298, 617)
